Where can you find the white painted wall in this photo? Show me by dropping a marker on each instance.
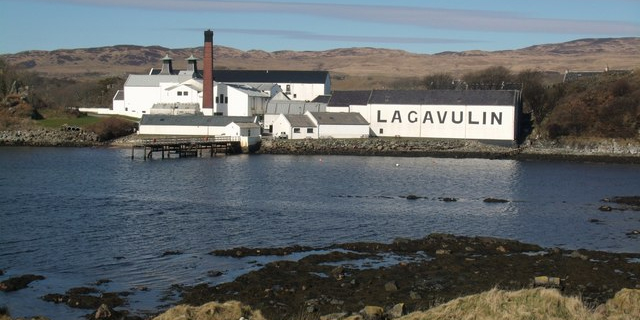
(304, 91)
(183, 130)
(343, 132)
(139, 100)
(442, 121)
(281, 124)
(238, 103)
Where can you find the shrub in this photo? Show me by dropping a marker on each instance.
(112, 128)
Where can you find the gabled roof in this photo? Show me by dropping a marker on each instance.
(271, 76)
(145, 80)
(349, 98)
(339, 118)
(243, 125)
(191, 83)
(249, 91)
(445, 97)
(424, 97)
(299, 120)
(192, 120)
(293, 107)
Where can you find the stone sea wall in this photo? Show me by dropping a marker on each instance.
(598, 150)
(610, 150)
(49, 138)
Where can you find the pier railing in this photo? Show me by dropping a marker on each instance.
(188, 140)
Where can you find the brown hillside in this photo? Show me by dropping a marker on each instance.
(350, 67)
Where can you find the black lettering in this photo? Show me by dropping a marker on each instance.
(471, 119)
(380, 118)
(415, 117)
(396, 116)
(496, 117)
(453, 117)
(442, 118)
(427, 117)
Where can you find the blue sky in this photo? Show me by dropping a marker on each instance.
(412, 25)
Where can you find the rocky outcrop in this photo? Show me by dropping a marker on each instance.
(49, 138)
(17, 283)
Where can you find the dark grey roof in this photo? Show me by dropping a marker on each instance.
(294, 107)
(300, 120)
(270, 76)
(192, 120)
(577, 75)
(119, 95)
(322, 98)
(339, 118)
(445, 97)
(349, 98)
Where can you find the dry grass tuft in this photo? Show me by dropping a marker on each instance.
(231, 310)
(625, 305)
(536, 303)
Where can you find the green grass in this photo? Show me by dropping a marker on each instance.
(70, 121)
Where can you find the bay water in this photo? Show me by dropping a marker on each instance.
(79, 215)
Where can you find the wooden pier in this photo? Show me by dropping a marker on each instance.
(187, 147)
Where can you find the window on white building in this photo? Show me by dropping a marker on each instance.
(185, 93)
(179, 93)
(309, 130)
(296, 130)
(381, 131)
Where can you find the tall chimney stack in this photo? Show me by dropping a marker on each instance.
(207, 85)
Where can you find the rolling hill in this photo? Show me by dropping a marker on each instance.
(351, 68)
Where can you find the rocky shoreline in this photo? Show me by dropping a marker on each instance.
(608, 151)
(580, 150)
(50, 138)
(390, 279)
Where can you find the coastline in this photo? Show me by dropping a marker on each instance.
(571, 149)
(344, 280)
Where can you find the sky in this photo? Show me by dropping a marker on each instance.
(418, 26)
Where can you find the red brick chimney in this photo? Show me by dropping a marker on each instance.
(207, 72)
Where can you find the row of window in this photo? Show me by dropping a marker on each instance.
(222, 99)
(183, 93)
(297, 130)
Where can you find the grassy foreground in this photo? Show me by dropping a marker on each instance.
(538, 303)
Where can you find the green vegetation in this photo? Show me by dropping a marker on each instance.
(604, 106)
(28, 101)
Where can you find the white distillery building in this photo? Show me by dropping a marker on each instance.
(456, 114)
(143, 93)
(296, 85)
(315, 125)
(235, 92)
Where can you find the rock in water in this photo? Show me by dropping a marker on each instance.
(17, 283)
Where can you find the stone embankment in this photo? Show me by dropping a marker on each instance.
(609, 150)
(49, 138)
(596, 150)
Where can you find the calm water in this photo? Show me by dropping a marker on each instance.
(80, 215)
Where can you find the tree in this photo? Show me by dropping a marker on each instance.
(489, 78)
(533, 92)
(439, 81)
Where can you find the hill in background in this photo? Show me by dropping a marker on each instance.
(351, 68)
